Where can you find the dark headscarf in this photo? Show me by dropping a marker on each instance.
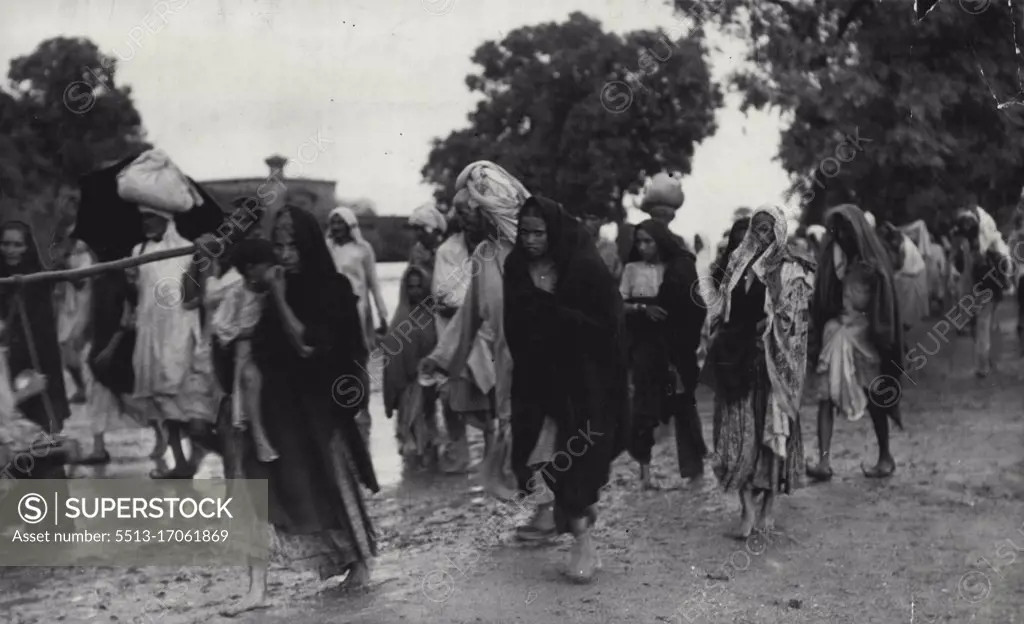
(42, 325)
(324, 302)
(886, 328)
(733, 239)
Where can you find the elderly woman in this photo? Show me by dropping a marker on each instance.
(852, 242)
(757, 366)
(474, 339)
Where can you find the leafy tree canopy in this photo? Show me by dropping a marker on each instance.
(926, 94)
(62, 114)
(580, 114)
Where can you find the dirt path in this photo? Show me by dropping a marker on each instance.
(937, 543)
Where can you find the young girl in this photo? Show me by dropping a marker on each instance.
(411, 338)
(849, 362)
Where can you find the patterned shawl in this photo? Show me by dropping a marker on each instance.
(788, 278)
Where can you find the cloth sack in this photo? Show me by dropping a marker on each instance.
(153, 180)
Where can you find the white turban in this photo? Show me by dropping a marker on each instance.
(429, 217)
(496, 192)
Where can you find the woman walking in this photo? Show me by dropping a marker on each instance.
(664, 314)
(852, 242)
(309, 337)
(564, 325)
(31, 337)
(354, 258)
(757, 365)
(411, 338)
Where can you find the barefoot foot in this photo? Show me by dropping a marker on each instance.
(252, 602)
(883, 469)
(584, 561)
(358, 577)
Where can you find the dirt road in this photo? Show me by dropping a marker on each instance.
(936, 543)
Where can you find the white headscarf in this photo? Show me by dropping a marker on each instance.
(350, 220)
(496, 192)
(429, 217)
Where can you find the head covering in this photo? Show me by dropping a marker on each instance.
(870, 218)
(351, 220)
(766, 266)
(828, 291)
(669, 247)
(788, 278)
(498, 194)
(429, 217)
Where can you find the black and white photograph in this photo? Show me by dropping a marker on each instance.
(492, 312)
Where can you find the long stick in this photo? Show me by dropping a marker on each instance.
(96, 269)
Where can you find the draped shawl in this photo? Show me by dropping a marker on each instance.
(411, 337)
(884, 316)
(788, 278)
(568, 346)
(323, 301)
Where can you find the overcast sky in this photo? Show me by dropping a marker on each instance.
(222, 84)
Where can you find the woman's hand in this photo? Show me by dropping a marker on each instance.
(656, 313)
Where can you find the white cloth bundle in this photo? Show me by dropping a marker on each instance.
(153, 180)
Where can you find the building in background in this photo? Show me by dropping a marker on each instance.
(389, 237)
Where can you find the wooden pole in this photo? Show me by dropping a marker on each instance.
(96, 269)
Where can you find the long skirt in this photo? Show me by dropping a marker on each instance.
(741, 458)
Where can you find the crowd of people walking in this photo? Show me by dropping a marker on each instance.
(515, 317)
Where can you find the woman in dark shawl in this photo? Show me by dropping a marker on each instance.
(21, 257)
(308, 346)
(563, 320)
(665, 315)
(851, 240)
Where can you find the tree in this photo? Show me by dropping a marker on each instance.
(923, 94)
(62, 116)
(579, 114)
